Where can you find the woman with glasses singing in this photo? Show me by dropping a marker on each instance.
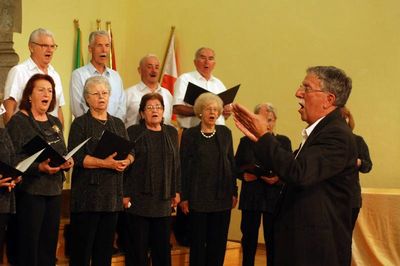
(209, 190)
(39, 196)
(152, 185)
(96, 189)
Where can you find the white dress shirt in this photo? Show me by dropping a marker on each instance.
(306, 132)
(19, 75)
(213, 85)
(117, 101)
(134, 95)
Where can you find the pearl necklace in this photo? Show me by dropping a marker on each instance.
(208, 136)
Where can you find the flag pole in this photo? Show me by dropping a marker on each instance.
(166, 52)
(112, 58)
(98, 21)
(78, 56)
(108, 29)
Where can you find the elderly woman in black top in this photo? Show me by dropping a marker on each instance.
(152, 185)
(96, 190)
(209, 189)
(39, 197)
(259, 192)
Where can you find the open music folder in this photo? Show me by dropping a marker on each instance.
(13, 172)
(56, 159)
(193, 91)
(110, 143)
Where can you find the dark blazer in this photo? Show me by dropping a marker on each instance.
(256, 195)
(313, 224)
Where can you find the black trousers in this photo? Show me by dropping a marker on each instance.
(38, 225)
(249, 226)
(148, 233)
(12, 233)
(209, 234)
(354, 216)
(182, 228)
(121, 231)
(92, 237)
(4, 217)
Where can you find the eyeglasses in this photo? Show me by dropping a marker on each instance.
(211, 109)
(98, 94)
(154, 107)
(46, 46)
(308, 89)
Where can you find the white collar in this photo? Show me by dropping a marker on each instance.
(307, 131)
(143, 86)
(2, 109)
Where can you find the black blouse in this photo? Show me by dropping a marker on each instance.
(257, 195)
(366, 166)
(22, 128)
(154, 177)
(208, 170)
(97, 189)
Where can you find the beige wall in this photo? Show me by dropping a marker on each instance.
(264, 45)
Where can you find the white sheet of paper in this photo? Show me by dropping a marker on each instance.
(24, 165)
(71, 153)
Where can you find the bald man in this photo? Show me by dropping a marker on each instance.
(149, 70)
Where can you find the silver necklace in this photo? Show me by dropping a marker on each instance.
(208, 136)
(103, 122)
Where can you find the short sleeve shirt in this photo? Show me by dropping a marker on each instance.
(134, 95)
(213, 85)
(19, 75)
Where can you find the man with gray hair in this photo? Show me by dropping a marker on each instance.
(99, 46)
(149, 70)
(41, 46)
(204, 62)
(313, 222)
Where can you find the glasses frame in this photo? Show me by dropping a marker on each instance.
(308, 89)
(46, 46)
(154, 107)
(97, 94)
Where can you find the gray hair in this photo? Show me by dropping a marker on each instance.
(335, 81)
(270, 108)
(144, 58)
(38, 32)
(94, 81)
(96, 33)
(205, 99)
(197, 54)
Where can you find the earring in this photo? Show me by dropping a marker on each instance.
(200, 115)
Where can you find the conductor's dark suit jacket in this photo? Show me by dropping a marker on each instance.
(313, 223)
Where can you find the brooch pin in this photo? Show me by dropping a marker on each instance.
(56, 128)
